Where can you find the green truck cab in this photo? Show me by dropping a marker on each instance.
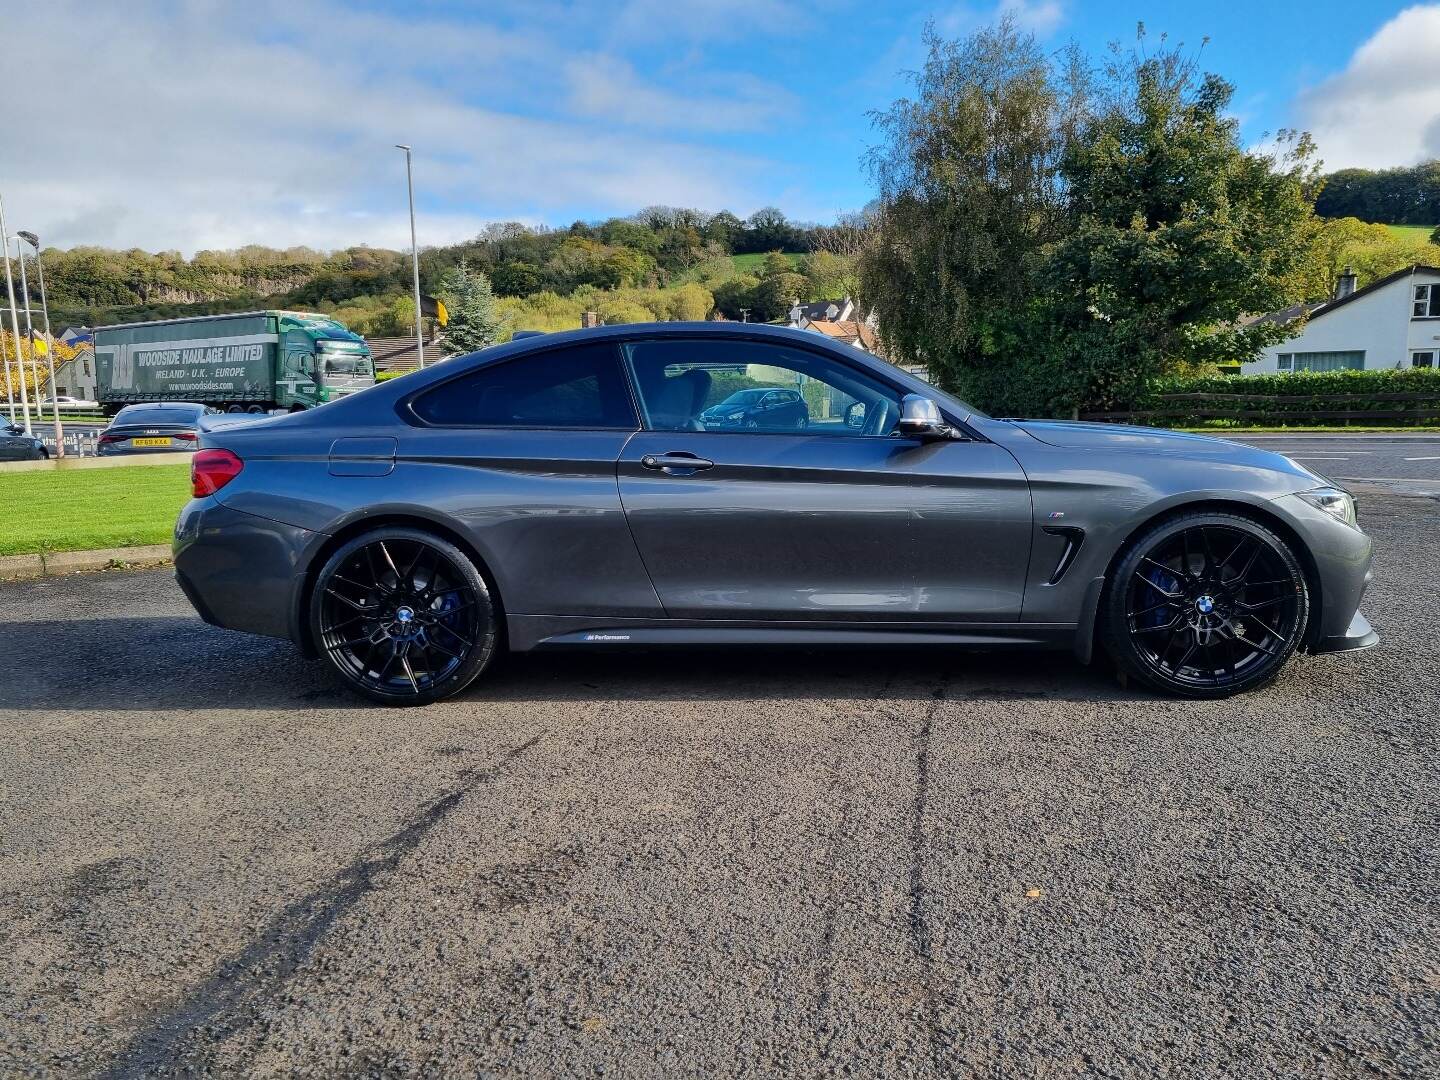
(254, 361)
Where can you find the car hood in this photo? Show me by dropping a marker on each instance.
(1078, 435)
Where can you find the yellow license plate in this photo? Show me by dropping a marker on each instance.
(149, 442)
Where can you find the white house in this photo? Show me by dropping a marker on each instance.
(1393, 322)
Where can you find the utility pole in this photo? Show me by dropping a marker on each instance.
(29, 330)
(14, 322)
(414, 257)
(34, 241)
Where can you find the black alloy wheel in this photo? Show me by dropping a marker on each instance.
(403, 616)
(1206, 605)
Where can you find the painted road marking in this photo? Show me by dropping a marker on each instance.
(1435, 458)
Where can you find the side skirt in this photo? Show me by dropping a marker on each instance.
(528, 632)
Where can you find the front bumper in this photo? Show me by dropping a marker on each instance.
(238, 570)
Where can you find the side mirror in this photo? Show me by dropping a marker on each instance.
(920, 418)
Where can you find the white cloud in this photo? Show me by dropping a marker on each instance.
(607, 87)
(195, 125)
(1041, 17)
(1384, 108)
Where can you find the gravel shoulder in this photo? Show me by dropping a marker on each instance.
(712, 864)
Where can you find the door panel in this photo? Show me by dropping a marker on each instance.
(826, 527)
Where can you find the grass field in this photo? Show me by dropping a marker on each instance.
(750, 264)
(80, 509)
(1412, 232)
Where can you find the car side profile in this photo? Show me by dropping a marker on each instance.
(772, 408)
(568, 491)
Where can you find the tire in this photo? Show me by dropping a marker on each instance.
(1205, 605)
(403, 616)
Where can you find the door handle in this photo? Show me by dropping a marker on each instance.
(676, 463)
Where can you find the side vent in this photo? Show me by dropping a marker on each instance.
(1073, 538)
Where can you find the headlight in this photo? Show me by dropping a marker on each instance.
(736, 416)
(1333, 501)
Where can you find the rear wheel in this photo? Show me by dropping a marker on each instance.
(1206, 605)
(403, 616)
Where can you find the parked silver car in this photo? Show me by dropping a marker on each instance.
(566, 491)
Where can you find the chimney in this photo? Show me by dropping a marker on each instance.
(1346, 285)
(589, 320)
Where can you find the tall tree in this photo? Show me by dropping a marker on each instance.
(1051, 237)
(474, 322)
(970, 197)
(1173, 232)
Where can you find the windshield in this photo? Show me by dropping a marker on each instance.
(742, 397)
(347, 363)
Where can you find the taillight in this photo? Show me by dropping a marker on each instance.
(188, 436)
(211, 470)
(105, 436)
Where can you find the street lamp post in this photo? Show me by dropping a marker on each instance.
(414, 257)
(14, 321)
(34, 241)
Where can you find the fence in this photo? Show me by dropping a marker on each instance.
(1399, 409)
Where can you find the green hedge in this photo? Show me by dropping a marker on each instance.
(1327, 391)
(1383, 381)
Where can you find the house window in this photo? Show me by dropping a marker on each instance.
(1425, 358)
(1352, 360)
(1427, 302)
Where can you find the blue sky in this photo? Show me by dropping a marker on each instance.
(204, 123)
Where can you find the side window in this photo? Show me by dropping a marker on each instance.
(578, 387)
(718, 385)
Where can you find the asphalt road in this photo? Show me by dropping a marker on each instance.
(725, 864)
(1404, 463)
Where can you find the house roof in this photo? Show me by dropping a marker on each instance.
(398, 353)
(816, 310)
(851, 332)
(1294, 311)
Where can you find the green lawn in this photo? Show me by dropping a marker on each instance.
(750, 264)
(80, 509)
(1412, 232)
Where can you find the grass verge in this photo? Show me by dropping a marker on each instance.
(82, 509)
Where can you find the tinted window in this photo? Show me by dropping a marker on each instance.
(724, 385)
(579, 387)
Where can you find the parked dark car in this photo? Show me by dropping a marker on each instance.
(765, 408)
(562, 491)
(17, 445)
(158, 427)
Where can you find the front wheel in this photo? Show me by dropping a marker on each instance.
(1205, 605)
(404, 616)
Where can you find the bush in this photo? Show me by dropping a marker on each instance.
(1322, 391)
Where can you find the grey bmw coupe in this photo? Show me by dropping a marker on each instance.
(567, 490)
